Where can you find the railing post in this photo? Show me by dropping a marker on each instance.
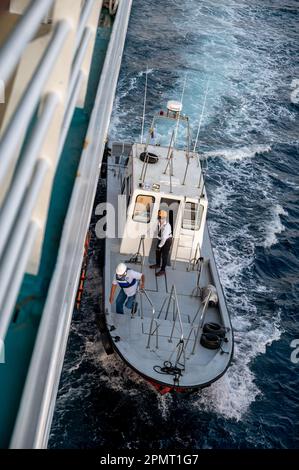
(201, 321)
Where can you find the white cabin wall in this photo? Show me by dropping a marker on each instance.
(134, 230)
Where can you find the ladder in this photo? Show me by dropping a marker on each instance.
(184, 248)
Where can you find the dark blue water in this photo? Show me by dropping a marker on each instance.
(247, 52)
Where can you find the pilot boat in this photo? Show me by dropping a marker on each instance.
(178, 336)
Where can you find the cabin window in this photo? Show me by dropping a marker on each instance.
(143, 208)
(192, 216)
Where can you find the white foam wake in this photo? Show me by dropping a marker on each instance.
(274, 226)
(241, 153)
(232, 395)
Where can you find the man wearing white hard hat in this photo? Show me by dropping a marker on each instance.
(127, 279)
(164, 243)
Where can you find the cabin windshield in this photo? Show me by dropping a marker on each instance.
(143, 208)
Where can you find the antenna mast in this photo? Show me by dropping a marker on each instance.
(201, 116)
(144, 104)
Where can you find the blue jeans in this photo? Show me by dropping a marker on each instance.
(122, 299)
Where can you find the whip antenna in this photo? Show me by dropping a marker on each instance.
(201, 116)
(178, 121)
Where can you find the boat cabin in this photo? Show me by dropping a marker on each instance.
(154, 177)
(164, 335)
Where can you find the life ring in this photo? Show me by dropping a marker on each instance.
(107, 343)
(148, 157)
(214, 328)
(210, 341)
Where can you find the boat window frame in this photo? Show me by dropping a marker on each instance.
(149, 217)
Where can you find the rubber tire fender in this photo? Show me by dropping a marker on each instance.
(214, 328)
(210, 341)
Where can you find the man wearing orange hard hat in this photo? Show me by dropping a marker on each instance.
(164, 243)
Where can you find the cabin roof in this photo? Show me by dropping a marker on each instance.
(155, 172)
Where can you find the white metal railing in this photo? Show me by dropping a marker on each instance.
(15, 246)
(25, 30)
(201, 321)
(27, 106)
(23, 173)
(83, 20)
(138, 257)
(180, 348)
(37, 406)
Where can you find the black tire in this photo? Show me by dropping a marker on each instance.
(210, 341)
(148, 157)
(215, 328)
(101, 322)
(107, 343)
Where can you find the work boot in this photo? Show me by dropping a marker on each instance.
(160, 273)
(154, 266)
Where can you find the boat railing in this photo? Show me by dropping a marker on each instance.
(194, 261)
(180, 348)
(177, 318)
(201, 320)
(138, 257)
(154, 330)
(33, 134)
(154, 326)
(203, 171)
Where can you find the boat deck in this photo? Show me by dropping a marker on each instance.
(143, 353)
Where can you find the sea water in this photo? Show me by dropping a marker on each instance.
(238, 62)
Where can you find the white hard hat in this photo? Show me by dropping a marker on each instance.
(121, 268)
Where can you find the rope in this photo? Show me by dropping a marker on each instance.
(168, 369)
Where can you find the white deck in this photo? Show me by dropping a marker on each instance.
(134, 332)
(155, 172)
